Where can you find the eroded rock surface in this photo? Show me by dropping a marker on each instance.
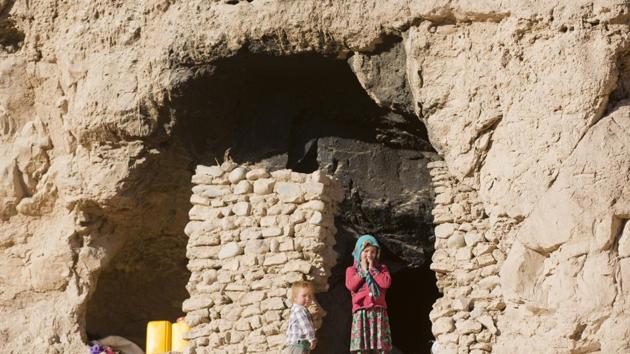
(526, 102)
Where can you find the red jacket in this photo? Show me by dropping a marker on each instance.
(361, 298)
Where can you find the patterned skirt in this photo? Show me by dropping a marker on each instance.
(370, 330)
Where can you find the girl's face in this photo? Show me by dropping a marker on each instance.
(369, 253)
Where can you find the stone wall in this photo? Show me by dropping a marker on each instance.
(467, 259)
(253, 233)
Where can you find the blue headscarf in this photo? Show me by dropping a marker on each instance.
(358, 248)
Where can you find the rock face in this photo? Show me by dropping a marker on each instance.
(106, 109)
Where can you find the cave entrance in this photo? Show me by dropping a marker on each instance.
(303, 113)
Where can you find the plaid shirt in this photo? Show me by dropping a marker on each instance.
(300, 325)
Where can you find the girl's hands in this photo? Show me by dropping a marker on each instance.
(370, 263)
(364, 263)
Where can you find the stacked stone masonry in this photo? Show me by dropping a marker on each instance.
(251, 234)
(467, 259)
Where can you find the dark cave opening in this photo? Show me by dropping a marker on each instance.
(304, 113)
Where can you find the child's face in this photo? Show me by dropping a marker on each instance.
(304, 297)
(369, 253)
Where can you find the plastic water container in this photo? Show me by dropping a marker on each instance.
(178, 329)
(158, 337)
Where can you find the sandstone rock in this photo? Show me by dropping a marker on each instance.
(468, 326)
(541, 137)
(257, 174)
(243, 187)
(241, 209)
(214, 171)
(444, 230)
(256, 246)
(442, 325)
(461, 304)
(289, 192)
(274, 303)
(473, 238)
(230, 250)
(236, 175)
(301, 266)
(197, 303)
(271, 231)
(624, 241)
(264, 186)
(456, 240)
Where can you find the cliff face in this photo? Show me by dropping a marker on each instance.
(526, 102)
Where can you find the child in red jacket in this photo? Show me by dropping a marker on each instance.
(368, 281)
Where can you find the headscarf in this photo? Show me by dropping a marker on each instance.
(358, 248)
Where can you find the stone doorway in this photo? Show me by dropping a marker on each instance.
(303, 113)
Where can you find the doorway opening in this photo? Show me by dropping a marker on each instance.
(304, 113)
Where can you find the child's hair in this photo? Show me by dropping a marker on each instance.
(301, 285)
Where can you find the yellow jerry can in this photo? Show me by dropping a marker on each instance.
(178, 343)
(158, 337)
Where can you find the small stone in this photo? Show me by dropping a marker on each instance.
(253, 297)
(444, 198)
(196, 303)
(442, 325)
(274, 303)
(242, 325)
(214, 171)
(282, 175)
(199, 200)
(498, 255)
(275, 259)
(473, 238)
(483, 248)
(487, 322)
(264, 186)
(215, 191)
(316, 219)
(289, 192)
(288, 208)
(461, 304)
(256, 246)
(271, 231)
(243, 187)
(301, 266)
(287, 245)
(256, 174)
(463, 254)
(489, 282)
(485, 259)
(444, 230)
(269, 220)
(292, 277)
(237, 175)
(456, 240)
(230, 250)
(319, 177)
(274, 246)
(468, 326)
(250, 233)
(241, 209)
(273, 316)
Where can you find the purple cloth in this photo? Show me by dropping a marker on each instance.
(96, 348)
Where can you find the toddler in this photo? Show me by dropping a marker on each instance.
(300, 332)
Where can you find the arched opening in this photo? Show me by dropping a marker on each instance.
(303, 113)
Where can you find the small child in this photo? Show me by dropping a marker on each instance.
(368, 281)
(300, 332)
